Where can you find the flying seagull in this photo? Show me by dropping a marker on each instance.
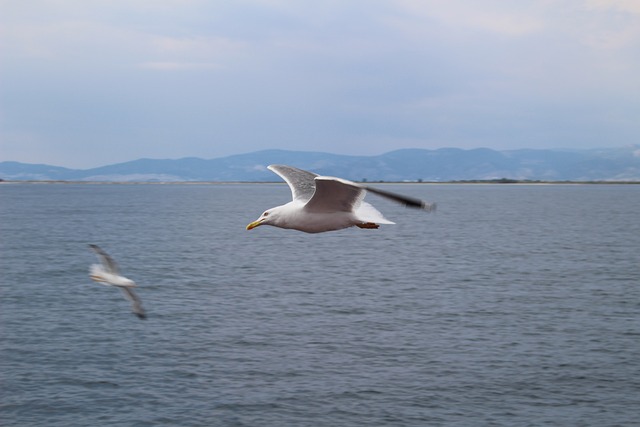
(324, 203)
(107, 274)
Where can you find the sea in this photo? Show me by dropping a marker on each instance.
(511, 305)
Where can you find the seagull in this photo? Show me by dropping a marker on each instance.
(324, 203)
(107, 274)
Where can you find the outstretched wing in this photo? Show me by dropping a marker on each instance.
(335, 195)
(409, 202)
(135, 302)
(108, 262)
(300, 182)
(304, 184)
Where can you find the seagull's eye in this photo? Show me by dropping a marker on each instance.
(265, 214)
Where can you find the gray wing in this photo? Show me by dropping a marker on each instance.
(135, 302)
(335, 195)
(108, 262)
(300, 182)
(409, 202)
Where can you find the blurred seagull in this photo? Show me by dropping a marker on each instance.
(323, 203)
(107, 274)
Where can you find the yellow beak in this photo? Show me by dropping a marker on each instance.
(254, 224)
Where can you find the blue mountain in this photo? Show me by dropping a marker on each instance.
(445, 164)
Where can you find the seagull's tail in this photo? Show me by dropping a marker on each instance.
(367, 213)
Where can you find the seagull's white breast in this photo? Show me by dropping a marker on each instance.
(100, 275)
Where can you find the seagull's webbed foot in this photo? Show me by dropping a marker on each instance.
(368, 225)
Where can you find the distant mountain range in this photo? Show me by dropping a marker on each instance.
(445, 164)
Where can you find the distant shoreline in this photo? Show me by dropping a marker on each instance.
(501, 181)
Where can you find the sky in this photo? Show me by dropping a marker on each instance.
(90, 83)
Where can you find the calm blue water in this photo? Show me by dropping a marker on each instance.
(510, 306)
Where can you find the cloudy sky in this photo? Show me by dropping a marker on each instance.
(88, 83)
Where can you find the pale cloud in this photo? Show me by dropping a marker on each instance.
(195, 52)
(611, 24)
(600, 24)
(612, 38)
(171, 78)
(96, 44)
(68, 41)
(171, 66)
(507, 18)
(631, 6)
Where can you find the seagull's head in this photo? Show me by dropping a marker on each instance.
(273, 216)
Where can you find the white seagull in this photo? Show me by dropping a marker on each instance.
(323, 203)
(107, 274)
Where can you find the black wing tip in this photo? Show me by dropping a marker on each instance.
(97, 249)
(418, 204)
(429, 207)
(141, 316)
